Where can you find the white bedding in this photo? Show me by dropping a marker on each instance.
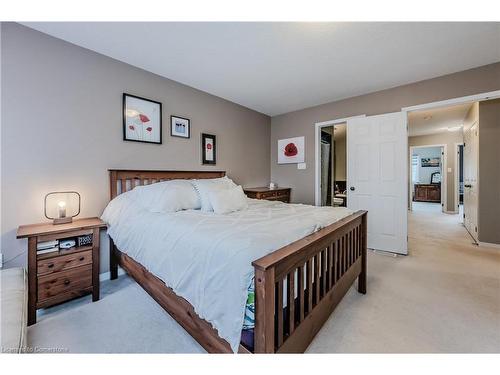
(207, 258)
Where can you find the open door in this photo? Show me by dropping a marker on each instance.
(471, 158)
(377, 177)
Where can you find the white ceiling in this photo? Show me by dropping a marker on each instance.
(280, 67)
(437, 120)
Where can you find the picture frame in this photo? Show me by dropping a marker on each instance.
(208, 149)
(430, 162)
(291, 150)
(142, 119)
(180, 127)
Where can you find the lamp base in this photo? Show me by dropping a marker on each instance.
(62, 220)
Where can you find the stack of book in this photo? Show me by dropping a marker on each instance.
(47, 247)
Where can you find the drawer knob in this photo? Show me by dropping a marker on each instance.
(66, 282)
(82, 259)
(50, 265)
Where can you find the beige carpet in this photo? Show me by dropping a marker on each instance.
(443, 297)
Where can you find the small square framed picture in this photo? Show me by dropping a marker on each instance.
(180, 127)
(208, 149)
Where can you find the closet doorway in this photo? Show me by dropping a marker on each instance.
(333, 166)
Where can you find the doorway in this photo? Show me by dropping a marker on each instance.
(427, 185)
(333, 165)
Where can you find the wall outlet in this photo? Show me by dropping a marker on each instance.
(301, 166)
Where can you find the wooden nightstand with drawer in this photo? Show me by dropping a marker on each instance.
(277, 194)
(61, 275)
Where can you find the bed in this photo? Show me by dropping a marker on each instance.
(296, 286)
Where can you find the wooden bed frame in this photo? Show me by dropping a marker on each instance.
(325, 264)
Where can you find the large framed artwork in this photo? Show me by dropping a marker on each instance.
(430, 162)
(141, 119)
(291, 150)
(180, 127)
(208, 149)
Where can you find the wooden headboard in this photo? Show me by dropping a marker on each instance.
(122, 180)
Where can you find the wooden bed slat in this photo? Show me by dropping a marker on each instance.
(300, 286)
(279, 311)
(291, 301)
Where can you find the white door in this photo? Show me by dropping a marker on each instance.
(377, 165)
(471, 151)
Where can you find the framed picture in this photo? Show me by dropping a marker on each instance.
(430, 162)
(180, 127)
(208, 149)
(291, 150)
(141, 119)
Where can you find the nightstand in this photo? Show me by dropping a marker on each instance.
(65, 274)
(277, 194)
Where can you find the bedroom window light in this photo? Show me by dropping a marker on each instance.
(414, 169)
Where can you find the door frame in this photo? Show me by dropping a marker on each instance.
(317, 154)
(444, 175)
(457, 176)
(449, 102)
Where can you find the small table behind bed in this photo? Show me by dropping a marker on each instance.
(325, 265)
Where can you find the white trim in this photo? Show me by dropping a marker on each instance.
(317, 153)
(487, 244)
(107, 275)
(444, 176)
(457, 177)
(454, 101)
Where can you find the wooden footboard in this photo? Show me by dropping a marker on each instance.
(311, 276)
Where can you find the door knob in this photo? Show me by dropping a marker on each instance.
(352, 188)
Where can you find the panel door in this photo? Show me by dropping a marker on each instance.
(377, 177)
(471, 158)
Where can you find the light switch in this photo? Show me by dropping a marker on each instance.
(301, 165)
(449, 170)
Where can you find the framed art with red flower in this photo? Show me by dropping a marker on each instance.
(141, 120)
(208, 149)
(291, 150)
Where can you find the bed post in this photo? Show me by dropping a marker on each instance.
(113, 261)
(264, 310)
(362, 275)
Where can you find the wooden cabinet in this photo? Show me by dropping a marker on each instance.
(427, 193)
(276, 194)
(65, 274)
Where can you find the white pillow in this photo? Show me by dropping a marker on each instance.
(167, 196)
(228, 200)
(206, 186)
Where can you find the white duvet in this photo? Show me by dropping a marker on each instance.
(207, 258)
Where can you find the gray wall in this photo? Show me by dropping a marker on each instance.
(489, 172)
(449, 139)
(301, 123)
(62, 129)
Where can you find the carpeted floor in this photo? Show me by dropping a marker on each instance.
(443, 297)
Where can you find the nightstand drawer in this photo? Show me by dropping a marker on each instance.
(64, 262)
(61, 282)
(268, 194)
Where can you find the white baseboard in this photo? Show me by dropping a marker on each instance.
(487, 244)
(107, 275)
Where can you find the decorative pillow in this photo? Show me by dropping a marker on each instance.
(205, 186)
(167, 196)
(228, 200)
